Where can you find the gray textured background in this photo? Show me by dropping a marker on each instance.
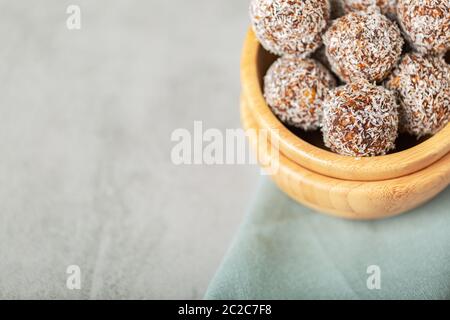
(85, 124)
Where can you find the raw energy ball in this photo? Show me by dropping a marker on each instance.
(387, 7)
(422, 84)
(295, 88)
(289, 26)
(360, 119)
(426, 24)
(363, 45)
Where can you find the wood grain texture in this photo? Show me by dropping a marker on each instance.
(254, 63)
(345, 198)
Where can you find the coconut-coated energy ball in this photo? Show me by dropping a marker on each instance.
(387, 7)
(360, 119)
(289, 26)
(363, 44)
(426, 24)
(422, 84)
(295, 89)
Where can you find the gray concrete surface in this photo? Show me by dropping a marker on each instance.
(85, 124)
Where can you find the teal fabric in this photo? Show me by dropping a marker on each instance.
(286, 251)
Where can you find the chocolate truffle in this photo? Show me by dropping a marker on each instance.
(426, 24)
(360, 119)
(422, 84)
(295, 88)
(387, 7)
(363, 44)
(289, 26)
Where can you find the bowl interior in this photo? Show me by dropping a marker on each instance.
(265, 60)
(307, 149)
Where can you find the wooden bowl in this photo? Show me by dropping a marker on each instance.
(357, 188)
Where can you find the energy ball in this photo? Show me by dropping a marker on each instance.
(422, 84)
(426, 24)
(363, 44)
(289, 26)
(387, 7)
(360, 119)
(295, 89)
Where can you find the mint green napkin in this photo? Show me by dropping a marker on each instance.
(286, 251)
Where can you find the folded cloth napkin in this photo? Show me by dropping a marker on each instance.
(286, 251)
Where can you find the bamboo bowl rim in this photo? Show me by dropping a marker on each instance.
(360, 200)
(323, 161)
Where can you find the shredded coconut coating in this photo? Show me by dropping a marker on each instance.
(426, 24)
(289, 26)
(363, 44)
(360, 119)
(422, 84)
(387, 7)
(295, 89)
